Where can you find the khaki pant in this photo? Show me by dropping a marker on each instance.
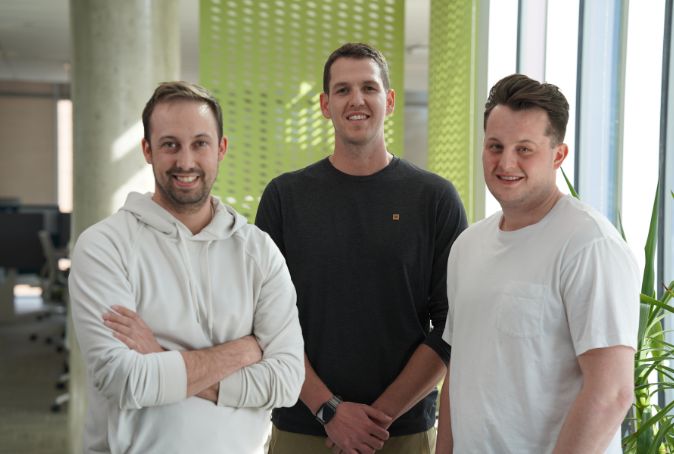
(283, 442)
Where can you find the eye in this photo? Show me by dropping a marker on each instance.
(341, 90)
(201, 143)
(523, 150)
(495, 147)
(370, 88)
(169, 145)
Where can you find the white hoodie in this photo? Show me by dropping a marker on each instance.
(194, 291)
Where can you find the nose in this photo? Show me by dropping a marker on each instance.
(185, 159)
(508, 159)
(356, 98)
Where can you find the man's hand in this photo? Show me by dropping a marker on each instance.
(129, 328)
(210, 393)
(357, 429)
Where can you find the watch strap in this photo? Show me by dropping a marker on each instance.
(327, 411)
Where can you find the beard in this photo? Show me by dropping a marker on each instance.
(184, 200)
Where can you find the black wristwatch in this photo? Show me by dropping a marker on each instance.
(327, 411)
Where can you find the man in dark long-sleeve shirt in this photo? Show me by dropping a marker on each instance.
(366, 237)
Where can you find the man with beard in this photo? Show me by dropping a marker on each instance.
(184, 312)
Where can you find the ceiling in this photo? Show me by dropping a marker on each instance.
(35, 41)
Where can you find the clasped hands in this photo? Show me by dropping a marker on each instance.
(357, 429)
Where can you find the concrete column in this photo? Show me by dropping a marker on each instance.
(120, 51)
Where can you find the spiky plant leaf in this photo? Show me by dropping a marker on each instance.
(572, 190)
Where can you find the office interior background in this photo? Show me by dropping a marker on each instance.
(74, 76)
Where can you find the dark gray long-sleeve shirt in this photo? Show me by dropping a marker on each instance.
(368, 257)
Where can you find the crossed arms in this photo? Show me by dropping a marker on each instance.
(205, 368)
(262, 372)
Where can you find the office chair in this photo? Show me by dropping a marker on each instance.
(55, 293)
(56, 280)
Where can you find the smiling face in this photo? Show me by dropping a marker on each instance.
(357, 102)
(520, 162)
(184, 151)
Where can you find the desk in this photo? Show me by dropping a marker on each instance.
(20, 251)
(7, 283)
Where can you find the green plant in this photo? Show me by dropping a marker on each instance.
(650, 427)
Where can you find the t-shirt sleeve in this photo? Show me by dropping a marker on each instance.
(600, 290)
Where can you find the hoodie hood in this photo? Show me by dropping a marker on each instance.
(225, 222)
(193, 249)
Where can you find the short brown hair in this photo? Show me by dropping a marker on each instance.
(357, 51)
(519, 92)
(173, 91)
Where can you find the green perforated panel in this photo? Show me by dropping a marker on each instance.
(264, 59)
(452, 94)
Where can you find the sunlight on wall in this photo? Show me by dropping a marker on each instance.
(64, 134)
(127, 142)
(141, 181)
(142, 178)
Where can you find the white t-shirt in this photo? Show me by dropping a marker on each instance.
(523, 305)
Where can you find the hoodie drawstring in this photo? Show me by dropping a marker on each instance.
(186, 261)
(191, 252)
(209, 291)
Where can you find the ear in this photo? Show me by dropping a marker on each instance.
(147, 151)
(390, 101)
(559, 155)
(222, 148)
(324, 99)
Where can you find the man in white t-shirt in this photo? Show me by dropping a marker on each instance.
(543, 299)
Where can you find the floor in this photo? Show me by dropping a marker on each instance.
(29, 371)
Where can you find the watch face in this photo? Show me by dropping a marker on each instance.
(327, 413)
